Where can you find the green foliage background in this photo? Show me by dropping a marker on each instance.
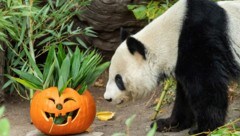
(33, 27)
(150, 10)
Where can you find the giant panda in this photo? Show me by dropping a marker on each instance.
(196, 41)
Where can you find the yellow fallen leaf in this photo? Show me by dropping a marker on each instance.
(105, 115)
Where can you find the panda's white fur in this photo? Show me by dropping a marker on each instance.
(232, 9)
(197, 41)
(160, 38)
(140, 77)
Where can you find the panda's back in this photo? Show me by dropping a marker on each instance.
(232, 9)
(206, 40)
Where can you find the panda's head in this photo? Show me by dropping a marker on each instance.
(146, 57)
(130, 74)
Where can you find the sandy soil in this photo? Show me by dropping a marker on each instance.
(18, 114)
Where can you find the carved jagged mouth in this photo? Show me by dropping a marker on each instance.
(69, 116)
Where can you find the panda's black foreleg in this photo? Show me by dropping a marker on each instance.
(209, 102)
(181, 117)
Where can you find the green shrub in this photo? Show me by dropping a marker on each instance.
(37, 25)
(63, 70)
(150, 10)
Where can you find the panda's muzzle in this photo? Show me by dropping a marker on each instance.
(115, 102)
(109, 100)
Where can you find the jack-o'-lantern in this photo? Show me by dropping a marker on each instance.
(68, 113)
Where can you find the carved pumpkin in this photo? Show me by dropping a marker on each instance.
(69, 113)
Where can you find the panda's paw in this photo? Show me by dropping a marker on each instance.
(194, 130)
(167, 125)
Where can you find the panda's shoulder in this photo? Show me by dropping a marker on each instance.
(204, 9)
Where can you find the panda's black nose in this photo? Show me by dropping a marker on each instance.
(109, 100)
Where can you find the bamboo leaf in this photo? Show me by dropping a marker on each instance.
(1, 48)
(48, 63)
(4, 127)
(33, 63)
(131, 7)
(129, 121)
(65, 84)
(153, 130)
(8, 3)
(75, 64)
(48, 78)
(48, 39)
(82, 89)
(9, 82)
(70, 52)
(139, 12)
(69, 43)
(81, 43)
(69, 27)
(28, 77)
(27, 84)
(23, 31)
(98, 71)
(119, 134)
(51, 32)
(50, 2)
(60, 119)
(65, 69)
(60, 83)
(57, 65)
(1, 111)
(61, 55)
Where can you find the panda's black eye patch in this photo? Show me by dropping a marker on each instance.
(119, 82)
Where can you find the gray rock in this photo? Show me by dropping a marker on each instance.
(38, 133)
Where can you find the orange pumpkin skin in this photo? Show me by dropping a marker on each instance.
(46, 102)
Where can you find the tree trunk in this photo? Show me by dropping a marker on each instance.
(107, 17)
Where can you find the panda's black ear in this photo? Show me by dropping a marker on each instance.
(136, 46)
(124, 34)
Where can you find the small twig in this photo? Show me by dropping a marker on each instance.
(201, 133)
(127, 131)
(150, 99)
(24, 97)
(230, 123)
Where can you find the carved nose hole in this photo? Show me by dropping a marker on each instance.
(59, 106)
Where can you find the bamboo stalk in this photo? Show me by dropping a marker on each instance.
(30, 29)
(167, 85)
(157, 109)
(30, 33)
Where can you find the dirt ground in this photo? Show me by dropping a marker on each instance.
(17, 111)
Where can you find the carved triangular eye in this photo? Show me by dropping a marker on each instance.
(68, 99)
(51, 99)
